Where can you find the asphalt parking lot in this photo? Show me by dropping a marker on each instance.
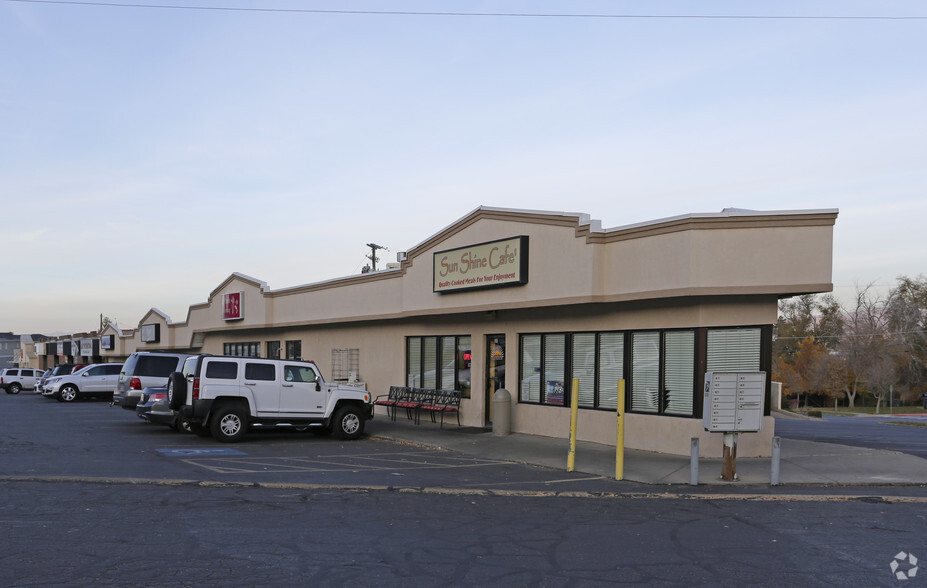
(90, 440)
(94, 496)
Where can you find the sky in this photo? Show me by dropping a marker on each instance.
(147, 153)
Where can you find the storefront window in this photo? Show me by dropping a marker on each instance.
(550, 362)
(584, 367)
(414, 362)
(439, 362)
(611, 368)
(554, 386)
(273, 349)
(430, 362)
(660, 373)
(734, 350)
(679, 372)
(448, 367)
(645, 371)
(242, 349)
(294, 349)
(529, 389)
(464, 359)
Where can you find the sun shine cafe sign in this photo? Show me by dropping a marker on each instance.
(487, 265)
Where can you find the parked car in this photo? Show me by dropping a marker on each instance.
(59, 370)
(41, 382)
(153, 408)
(12, 380)
(144, 370)
(93, 380)
(227, 396)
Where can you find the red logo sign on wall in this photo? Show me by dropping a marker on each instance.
(231, 306)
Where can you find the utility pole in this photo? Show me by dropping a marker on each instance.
(373, 255)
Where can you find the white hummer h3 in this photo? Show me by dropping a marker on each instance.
(226, 396)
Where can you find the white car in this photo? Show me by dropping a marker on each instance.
(94, 380)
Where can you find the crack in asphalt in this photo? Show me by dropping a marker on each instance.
(457, 491)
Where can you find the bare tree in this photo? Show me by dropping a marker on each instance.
(869, 347)
(907, 319)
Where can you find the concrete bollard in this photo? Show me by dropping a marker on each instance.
(774, 473)
(693, 462)
(501, 413)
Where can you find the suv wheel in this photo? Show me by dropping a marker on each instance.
(348, 422)
(13, 388)
(68, 393)
(229, 424)
(176, 390)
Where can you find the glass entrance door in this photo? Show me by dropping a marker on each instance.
(495, 369)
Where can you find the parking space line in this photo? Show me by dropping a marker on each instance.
(286, 464)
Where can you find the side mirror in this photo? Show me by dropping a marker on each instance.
(318, 386)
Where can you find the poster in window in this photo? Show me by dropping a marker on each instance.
(231, 306)
(555, 392)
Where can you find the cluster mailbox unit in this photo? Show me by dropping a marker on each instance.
(734, 401)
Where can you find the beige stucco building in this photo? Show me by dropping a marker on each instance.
(529, 300)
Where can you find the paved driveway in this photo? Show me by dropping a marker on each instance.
(907, 434)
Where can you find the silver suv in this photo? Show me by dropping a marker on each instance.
(144, 370)
(226, 396)
(92, 380)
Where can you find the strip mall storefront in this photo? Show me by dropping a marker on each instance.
(529, 300)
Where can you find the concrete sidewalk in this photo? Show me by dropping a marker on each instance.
(801, 462)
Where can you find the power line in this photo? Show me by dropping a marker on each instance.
(851, 336)
(476, 14)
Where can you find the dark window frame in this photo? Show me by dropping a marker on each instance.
(294, 349)
(250, 349)
(699, 363)
(439, 360)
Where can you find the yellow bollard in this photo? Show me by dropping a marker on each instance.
(619, 443)
(574, 410)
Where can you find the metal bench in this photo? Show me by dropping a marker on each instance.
(414, 400)
(443, 401)
(389, 400)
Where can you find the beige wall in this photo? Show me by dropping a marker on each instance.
(727, 269)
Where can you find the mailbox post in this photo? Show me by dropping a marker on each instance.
(733, 404)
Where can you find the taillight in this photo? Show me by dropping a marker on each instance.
(196, 388)
(135, 384)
